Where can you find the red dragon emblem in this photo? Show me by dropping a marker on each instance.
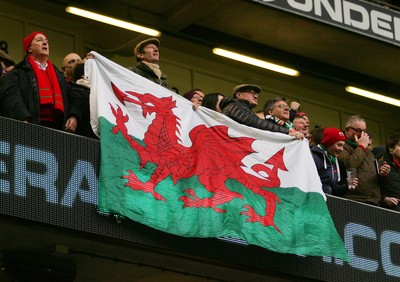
(204, 159)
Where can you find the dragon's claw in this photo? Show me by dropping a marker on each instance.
(191, 193)
(266, 220)
(158, 196)
(147, 187)
(192, 201)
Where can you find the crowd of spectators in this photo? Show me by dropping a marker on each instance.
(35, 91)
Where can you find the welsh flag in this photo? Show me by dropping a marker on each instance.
(197, 173)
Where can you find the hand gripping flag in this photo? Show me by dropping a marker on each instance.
(197, 173)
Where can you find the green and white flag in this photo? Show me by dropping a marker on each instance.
(197, 173)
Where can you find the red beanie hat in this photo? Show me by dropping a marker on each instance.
(332, 135)
(27, 40)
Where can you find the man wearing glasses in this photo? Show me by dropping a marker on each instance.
(356, 154)
(278, 111)
(239, 108)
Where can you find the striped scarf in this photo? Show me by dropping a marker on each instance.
(288, 124)
(48, 85)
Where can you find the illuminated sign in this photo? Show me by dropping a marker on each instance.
(354, 15)
(387, 241)
(46, 176)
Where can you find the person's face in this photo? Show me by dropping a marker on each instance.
(300, 124)
(355, 130)
(305, 129)
(39, 46)
(280, 110)
(249, 95)
(149, 54)
(307, 120)
(395, 151)
(336, 148)
(197, 98)
(69, 63)
(217, 108)
(200, 93)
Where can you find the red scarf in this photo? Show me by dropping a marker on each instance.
(397, 163)
(49, 88)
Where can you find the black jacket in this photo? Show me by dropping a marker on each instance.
(240, 111)
(390, 185)
(20, 95)
(329, 173)
(81, 96)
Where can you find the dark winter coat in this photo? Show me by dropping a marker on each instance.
(143, 70)
(20, 96)
(81, 96)
(240, 111)
(390, 185)
(331, 174)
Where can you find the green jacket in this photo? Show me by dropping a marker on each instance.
(368, 190)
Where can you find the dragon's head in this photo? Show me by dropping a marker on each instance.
(151, 103)
(147, 101)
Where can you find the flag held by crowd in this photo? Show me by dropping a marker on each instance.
(197, 173)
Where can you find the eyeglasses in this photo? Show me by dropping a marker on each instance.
(198, 97)
(251, 91)
(358, 130)
(282, 106)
